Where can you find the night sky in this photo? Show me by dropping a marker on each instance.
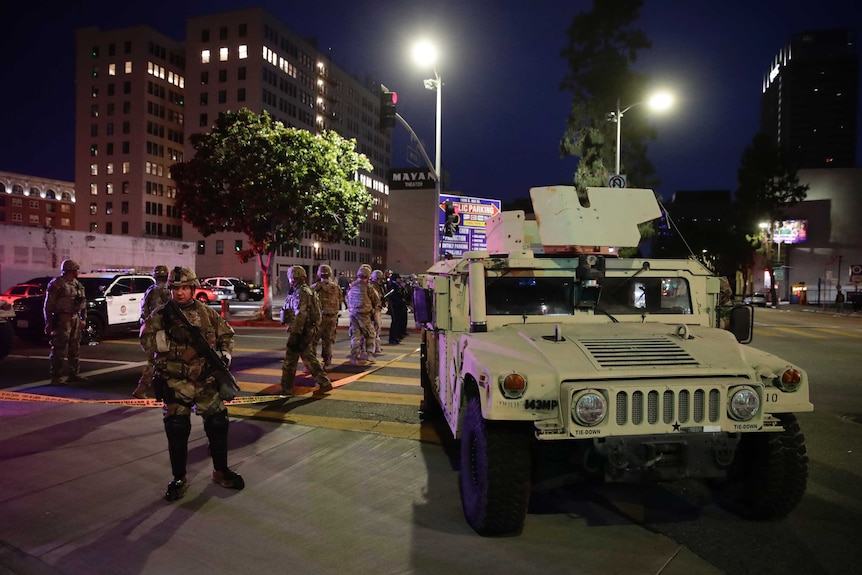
(503, 114)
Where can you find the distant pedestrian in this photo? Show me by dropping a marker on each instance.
(65, 313)
(330, 297)
(301, 314)
(839, 301)
(397, 303)
(343, 283)
(185, 379)
(155, 296)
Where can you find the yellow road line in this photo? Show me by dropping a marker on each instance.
(838, 332)
(766, 333)
(393, 379)
(801, 332)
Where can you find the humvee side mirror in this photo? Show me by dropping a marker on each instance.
(422, 305)
(741, 320)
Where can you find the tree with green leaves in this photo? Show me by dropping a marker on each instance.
(275, 184)
(768, 183)
(602, 44)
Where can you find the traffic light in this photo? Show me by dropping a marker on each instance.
(388, 100)
(450, 227)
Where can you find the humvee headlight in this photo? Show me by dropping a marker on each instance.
(790, 380)
(513, 385)
(589, 408)
(744, 404)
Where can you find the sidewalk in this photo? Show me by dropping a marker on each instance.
(83, 493)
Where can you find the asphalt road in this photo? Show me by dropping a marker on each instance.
(818, 537)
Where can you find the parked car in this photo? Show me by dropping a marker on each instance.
(241, 289)
(207, 294)
(757, 298)
(18, 291)
(7, 316)
(113, 302)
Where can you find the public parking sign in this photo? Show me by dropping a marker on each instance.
(856, 274)
(472, 214)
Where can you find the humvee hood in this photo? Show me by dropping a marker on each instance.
(580, 350)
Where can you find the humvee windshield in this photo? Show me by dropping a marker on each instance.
(512, 295)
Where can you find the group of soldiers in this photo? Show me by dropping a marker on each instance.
(182, 377)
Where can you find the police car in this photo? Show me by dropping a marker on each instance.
(113, 301)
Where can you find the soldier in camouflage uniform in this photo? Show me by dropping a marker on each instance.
(65, 313)
(330, 297)
(155, 296)
(361, 301)
(298, 314)
(185, 381)
(376, 284)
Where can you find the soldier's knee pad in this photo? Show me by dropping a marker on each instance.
(178, 426)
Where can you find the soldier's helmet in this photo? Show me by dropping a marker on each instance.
(184, 277)
(364, 271)
(296, 273)
(324, 271)
(69, 266)
(376, 275)
(161, 272)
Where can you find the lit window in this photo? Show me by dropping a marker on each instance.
(94, 190)
(94, 169)
(222, 54)
(94, 209)
(126, 167)
(109, 168)
(128, 67)
(109, 189)
(205, 57)
(243, 52)
(112, 69)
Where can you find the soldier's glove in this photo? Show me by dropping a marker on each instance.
(180, 334)
(293, 341)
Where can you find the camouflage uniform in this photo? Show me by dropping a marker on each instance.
(330, 297)
(361, 301)
(301, 327)
(376, 284)
(155, 296)
(184, 380)
(65, 313)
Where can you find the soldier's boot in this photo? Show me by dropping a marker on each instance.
(75, 378)
(229, 479)
(327, 363)
(56, 380)
(178, 428)
(176, 489)
(325, 386)
(140, 392)
(216, 428)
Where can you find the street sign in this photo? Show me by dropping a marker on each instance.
(616, 181)
(472, 214)
(856, 273)
(411, 179)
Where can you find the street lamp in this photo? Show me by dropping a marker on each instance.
(425, 54)
(658, 101)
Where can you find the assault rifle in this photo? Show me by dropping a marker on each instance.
(227, 386)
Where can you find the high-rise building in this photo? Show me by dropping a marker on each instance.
(140, 95)
(810, 99)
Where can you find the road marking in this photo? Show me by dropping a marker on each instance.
(803, 333)
(394, 380)
(838, 332)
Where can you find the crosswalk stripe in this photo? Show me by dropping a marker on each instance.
(839, 332)
(801, 332)
(391, 379)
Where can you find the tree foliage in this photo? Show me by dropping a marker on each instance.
(768, 183)
(602, 44)
(274, 184)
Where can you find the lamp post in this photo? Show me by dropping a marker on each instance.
(425, 54)
(659, 101)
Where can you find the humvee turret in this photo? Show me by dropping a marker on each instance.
(548, 338)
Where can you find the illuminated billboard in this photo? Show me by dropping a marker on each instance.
(790, 232)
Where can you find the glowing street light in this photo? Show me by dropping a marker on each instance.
(425, 54)
(659, 101)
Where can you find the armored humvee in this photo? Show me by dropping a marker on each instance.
(548, 338)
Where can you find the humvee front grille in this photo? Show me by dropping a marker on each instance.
(649, 352)
(651, 406)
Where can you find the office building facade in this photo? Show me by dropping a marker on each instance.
(810, 95)
(129, 134)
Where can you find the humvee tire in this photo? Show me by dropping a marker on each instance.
(769, 473)
(495, 473)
